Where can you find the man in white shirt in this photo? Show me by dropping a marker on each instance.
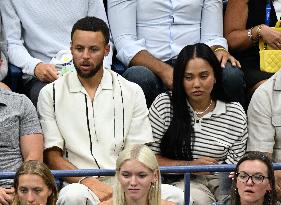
(148, 36)
(90, 115)
(264, 122)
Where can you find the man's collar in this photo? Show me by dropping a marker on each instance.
(105, 84)
(277, 81)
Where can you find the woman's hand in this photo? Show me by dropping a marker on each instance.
(203, 161)
(223, 56)
(271, 37)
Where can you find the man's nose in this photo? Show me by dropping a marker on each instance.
(86, 54)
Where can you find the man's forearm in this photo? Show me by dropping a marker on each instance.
(55, 161)
(144, 58)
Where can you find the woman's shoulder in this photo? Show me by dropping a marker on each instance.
(235, 107)
(162, 100)
(165, 202)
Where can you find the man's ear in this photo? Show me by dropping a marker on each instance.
(71, 46)
(107, 49)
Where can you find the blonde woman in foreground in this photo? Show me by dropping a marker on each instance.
(137, 178)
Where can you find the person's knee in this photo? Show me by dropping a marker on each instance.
(234, 83)
(233, 76)
(140, 75)
(172, 193)
(34, 91)
(147, 80)
(201, 195)
(76, 194)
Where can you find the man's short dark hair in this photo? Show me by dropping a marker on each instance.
(91, 23)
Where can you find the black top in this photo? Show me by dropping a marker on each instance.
(249, 58)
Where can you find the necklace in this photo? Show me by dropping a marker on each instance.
(200, 113)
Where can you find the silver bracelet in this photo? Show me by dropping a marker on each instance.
(250, 35)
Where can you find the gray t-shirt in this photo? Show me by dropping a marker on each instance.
(18, 117)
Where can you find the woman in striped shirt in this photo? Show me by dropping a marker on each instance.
(196, 124)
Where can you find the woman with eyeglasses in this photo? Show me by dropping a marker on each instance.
(253, 182)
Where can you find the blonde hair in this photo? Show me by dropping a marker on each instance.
(40, 169)
(144, 155)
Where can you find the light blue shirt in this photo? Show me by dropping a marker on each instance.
(36, 30)
(164, 27)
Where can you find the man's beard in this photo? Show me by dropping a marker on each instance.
(90, 74)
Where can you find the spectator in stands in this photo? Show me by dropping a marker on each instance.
(264, 121)
(89, 116)
(137, 178)
(253, 181)
(3, 60)
(20, 137)
(34, 184)
(155, 31)
(260, 190)
(196, 124)
(37, 30)
(243, 32)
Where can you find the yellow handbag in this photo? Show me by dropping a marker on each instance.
(270, 59)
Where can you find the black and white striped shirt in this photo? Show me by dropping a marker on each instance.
(221, 134)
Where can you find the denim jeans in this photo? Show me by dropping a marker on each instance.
(32, 87)
(232, 77)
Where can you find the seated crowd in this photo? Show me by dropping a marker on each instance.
(178, 91)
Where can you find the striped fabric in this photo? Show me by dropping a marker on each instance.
(220, 134)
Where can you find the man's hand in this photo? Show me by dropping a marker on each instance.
(6, 195)
(223, 56)
(103, 191)
(46, 72)
(166, 76)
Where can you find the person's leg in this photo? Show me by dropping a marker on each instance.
(199, 192)
(234, 83)
(147, 80)
(76, 194)
(32, 88)
(172, 193)
(223, 192)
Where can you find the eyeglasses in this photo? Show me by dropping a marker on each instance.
(256, 178)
